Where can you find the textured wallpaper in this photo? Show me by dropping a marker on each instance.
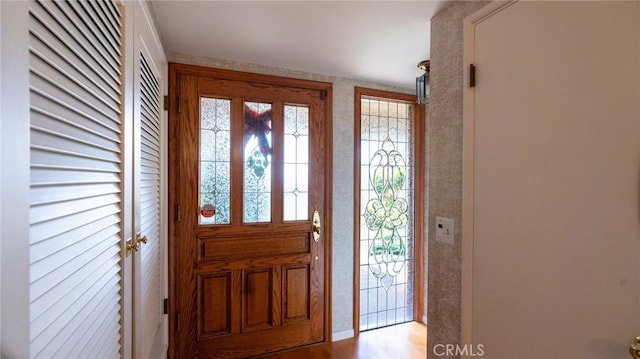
(444, 153)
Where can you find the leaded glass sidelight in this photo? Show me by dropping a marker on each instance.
(257, 147)
(215, 161)
(296, 163)
(386, 213)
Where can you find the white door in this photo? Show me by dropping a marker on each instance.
(552, 180)
(150, 68)
(75, 178)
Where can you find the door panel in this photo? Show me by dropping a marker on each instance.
(77, 170)
(554, 173)
(147, 264)
(295, 289)
(249, 166)
(257, 309)
(148, 277)
(215, 304)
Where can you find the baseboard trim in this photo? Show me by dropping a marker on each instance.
(342, 335)
(424, 319)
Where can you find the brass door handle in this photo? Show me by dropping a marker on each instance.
(132, 247)
(316, 226)
(635, 349)
(141, 238)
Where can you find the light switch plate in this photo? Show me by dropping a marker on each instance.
(444, 230)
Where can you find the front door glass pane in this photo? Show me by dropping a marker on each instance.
(257, 149)
(296, 163)
(215, 161)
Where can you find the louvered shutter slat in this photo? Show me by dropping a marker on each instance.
(46, 231)
(70, 32)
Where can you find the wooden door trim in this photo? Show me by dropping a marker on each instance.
(175, 71)
(419, 175)
(223, 74)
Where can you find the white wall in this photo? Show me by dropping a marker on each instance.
(343, 147)
(14, 199)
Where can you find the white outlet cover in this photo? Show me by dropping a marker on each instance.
(444, 230)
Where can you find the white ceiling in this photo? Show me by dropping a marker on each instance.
(379, 41)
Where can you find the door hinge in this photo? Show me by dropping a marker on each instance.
(165, 306)
(472, 75)
(166, 103)
(179, 103)
(177, 215)
(323, 94)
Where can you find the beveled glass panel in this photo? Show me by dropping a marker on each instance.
(215, 161)
(296, 163)
(386, 213)
(257, 162)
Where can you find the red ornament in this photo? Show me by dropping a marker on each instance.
(208, 210)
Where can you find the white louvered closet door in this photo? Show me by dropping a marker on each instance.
(149, 291)
(76, 119)
(149, 276)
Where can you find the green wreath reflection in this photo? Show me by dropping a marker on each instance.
(387, 213)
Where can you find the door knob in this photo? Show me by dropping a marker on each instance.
(140, 238)
(132, 247)
(316, 226)
(635, 349)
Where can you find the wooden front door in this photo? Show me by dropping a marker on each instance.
(249, 202)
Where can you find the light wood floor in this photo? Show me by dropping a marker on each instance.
(403, 341)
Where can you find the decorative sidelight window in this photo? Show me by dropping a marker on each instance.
(386, 211)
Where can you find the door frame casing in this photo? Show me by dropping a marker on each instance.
(175, 71)
(418, 206)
